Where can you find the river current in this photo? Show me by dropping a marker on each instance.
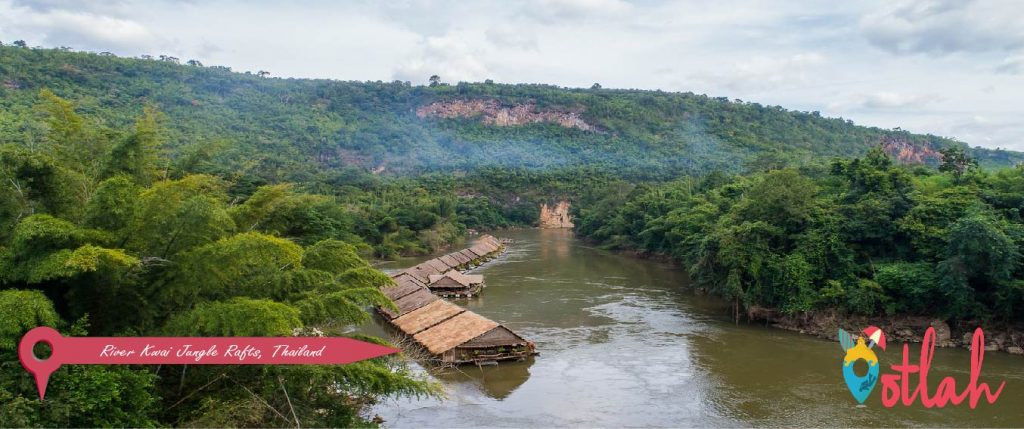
(625, 342)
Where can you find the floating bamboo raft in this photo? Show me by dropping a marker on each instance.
(451, 333)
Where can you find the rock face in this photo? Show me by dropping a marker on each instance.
(555, 217)
(943, 335)
(494, 113)
(910, 153)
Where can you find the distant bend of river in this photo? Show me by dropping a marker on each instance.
(624, 342)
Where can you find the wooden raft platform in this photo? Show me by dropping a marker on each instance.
(449, 332)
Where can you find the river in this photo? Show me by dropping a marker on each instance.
(624, 342)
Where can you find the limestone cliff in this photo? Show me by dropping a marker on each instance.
(495, 113)
(556, 216)
(910, 153)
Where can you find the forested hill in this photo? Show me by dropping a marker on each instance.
(286, 129)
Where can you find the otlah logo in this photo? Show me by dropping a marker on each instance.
(861, 349)
(897, 387)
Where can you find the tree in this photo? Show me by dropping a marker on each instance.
(177, 215)
(20, 44)
(237, 317)
(20, 311)
(332, 256)
(138, 154)
(435, 80)
(955, 160)
(262, 73)
(595, 86)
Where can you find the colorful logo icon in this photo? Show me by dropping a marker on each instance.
(860, 348)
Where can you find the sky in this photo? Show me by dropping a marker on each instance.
(951, 68)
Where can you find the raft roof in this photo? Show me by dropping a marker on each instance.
(438, 265)
(458, 256)
(427, 316)
(413, 301)
(500, 336)
(453, 332)
(465, 280)
(450, 261)
(468, 254)
(405, 284)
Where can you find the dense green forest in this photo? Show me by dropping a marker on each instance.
(267, 129)
(863, 235)
(104, 236)
(147, 197)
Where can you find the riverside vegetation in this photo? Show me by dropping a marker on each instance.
(146, 197)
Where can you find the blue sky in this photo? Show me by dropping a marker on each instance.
(951, 68)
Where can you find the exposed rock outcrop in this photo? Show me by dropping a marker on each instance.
(495, 113)
(910, 153)
(898, 329)
(556, 216)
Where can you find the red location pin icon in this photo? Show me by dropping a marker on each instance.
(40, 368)
(188, 351)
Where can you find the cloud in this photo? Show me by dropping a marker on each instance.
(990, 131)
(81, 29)
(1011, 65)
(512, 36)
(763, 73)
(941, 27)
(885, 100)
(892, 100)
(578, 9)
(448, 57)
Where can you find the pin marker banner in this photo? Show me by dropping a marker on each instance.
(188, 350)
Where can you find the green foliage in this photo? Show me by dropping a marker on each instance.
(956, 161)
(237, 317)
(114, 205)
(364, 277)
(288, 130)
(128, 217)
(332, 256)
(177, 215)
(240, 265)
(866, 236)
(20, 311)
(136, 155)
(914, 287)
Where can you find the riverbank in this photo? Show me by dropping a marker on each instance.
(898, 329)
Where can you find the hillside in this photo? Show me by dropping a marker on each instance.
(218, 120)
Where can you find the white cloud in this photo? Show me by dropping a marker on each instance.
(578, 9)
(1011, 65)
(940, 27)
(763, 73)
(888, 100)
(76, 28)
(448, 57)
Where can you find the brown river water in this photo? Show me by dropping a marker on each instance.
(624, 342)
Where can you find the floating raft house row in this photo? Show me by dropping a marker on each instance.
(443, 276)
(449, 332)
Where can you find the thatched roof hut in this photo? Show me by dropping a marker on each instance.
(455, 331)
(438, 265)
(427, 316)
(405, 284)
(411, 302)
(466, 253)
(460, 258)
(450, 261)
(454, 279)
